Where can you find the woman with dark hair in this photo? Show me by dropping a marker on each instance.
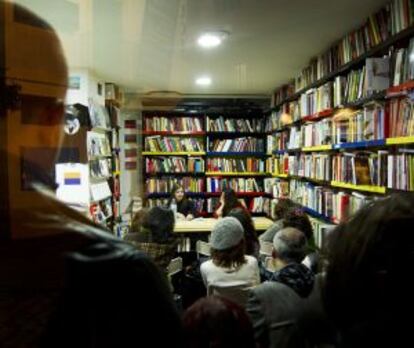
(152, 232)
(279, 211)
(215, 321)
(228, 264)
(368, 291)
(298, 219)
(250, 235)
(228, 201)
(180, 205)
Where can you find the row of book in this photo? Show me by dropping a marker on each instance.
(315, 166)
(402, 64)
(367, 124)
(396, 16)
(173, 124)
(237, 145)
(165, 185)
(276, 187)
(380, 168)
(174, 165)
(357, 84)
(239, 165)
(278, 164)
(321, 231)
(222, 124)
(236, 184)
(337, 205)
(173, 144)
(347, 126)
(316, 100)
(362, 168)
(401, 119)
(97, 144)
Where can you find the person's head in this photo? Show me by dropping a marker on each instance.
(297, 218)
(137, 219)
(290, 245)
(230, 201)
(227, 243)
(282, 207)
(160, 221)
(370, 262)
(48, 67)
(215, 321)
(246, 220)
(177, 192)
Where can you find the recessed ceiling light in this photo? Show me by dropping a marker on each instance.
(211, 39)
(203, 81)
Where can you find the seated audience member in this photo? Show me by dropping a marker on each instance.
(368, 290)
(228, 264)
(152, 232)
(180, 204)
(228, 201)
(250, 235)
(64, 281)
(215, 321)
(297, 218)
(280, 209)
(275, 306)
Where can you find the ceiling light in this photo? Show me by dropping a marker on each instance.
(203, 81)
(212, 39)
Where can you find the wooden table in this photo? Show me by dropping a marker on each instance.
(206, 225)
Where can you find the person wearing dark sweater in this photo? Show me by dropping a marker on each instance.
(182, 207)
(275, 306)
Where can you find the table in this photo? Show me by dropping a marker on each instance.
(205, 225)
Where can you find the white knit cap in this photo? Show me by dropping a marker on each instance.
(226, 233)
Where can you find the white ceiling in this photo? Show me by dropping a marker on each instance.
(150, 45)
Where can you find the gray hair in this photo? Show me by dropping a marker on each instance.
(290, 245)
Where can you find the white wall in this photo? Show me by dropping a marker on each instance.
(88, 88)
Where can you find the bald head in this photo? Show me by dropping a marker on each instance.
(290, 245)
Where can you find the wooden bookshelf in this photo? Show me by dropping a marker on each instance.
(375, 51)
(207, 136)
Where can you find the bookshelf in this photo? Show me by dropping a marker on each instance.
(342, 133)
(113, 103)
(236, 159)
(226, 150)
(174, 152)
(89, 178)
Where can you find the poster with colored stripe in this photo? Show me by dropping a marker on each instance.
(72, 178)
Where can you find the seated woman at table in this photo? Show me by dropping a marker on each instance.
(180, 204)
(228, 201)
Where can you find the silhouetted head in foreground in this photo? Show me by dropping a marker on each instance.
(368, 283)
(217, 322)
